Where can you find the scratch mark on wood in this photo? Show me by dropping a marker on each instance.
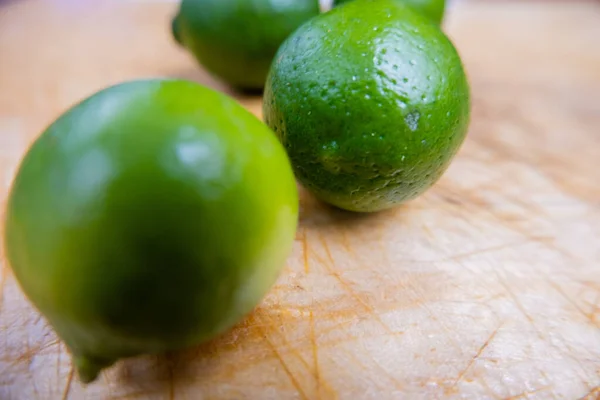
(38, 318)
(442, 323)
(283, 338)
(519, 306)
(305, 251)
(570, 353)
(385, 372)
(491, 249)
(346, 243)
(522, 310)
(363, 367)
(428, 231)
(327, 251)
(528, 393)
(476, 356)
(530, 209)
(68, 384)
(284, 365)
(348, 289)
(545, 376)
(486, 250)
(510, 225)
(47, 345)
(490, 390)
(356, 360)
(26, 357)
(594, 310)
(315, 353)
(587, 316)
(594, 394)
(326, 344)
(262, 320)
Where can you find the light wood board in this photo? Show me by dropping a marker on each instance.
(486, 287)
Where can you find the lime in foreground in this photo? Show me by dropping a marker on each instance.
(371, 103)
(152, 216)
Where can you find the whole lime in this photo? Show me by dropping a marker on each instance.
(371, 103)
(236, 40)
(151, 216)
(433, 9)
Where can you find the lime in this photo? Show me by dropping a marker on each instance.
(371, 103)
(236, 40)
(151, 216)
(433, 9)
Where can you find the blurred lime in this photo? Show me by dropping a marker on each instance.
(236, 40)
(371, 103)
(433, 9)
(150, 217)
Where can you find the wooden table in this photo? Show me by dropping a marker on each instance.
(487, 286)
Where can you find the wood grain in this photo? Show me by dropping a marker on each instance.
(486, 287)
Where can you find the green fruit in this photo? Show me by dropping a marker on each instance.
(433, 9)
(152, 216)
(236, 40)
(371, 103)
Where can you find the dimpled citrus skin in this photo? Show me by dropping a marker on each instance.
(433, 9)
(149, 217)
(371, 103)
(236, 40)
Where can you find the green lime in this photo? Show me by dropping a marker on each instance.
(371, 103)
(433, 9)
(236, 40)
(151, 216)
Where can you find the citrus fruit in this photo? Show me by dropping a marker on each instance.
(433, 9)
(371, 102)
(151, 216)
(236, 40)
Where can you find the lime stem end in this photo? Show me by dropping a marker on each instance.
(88, 368)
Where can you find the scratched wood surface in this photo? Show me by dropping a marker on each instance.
(487, 287)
